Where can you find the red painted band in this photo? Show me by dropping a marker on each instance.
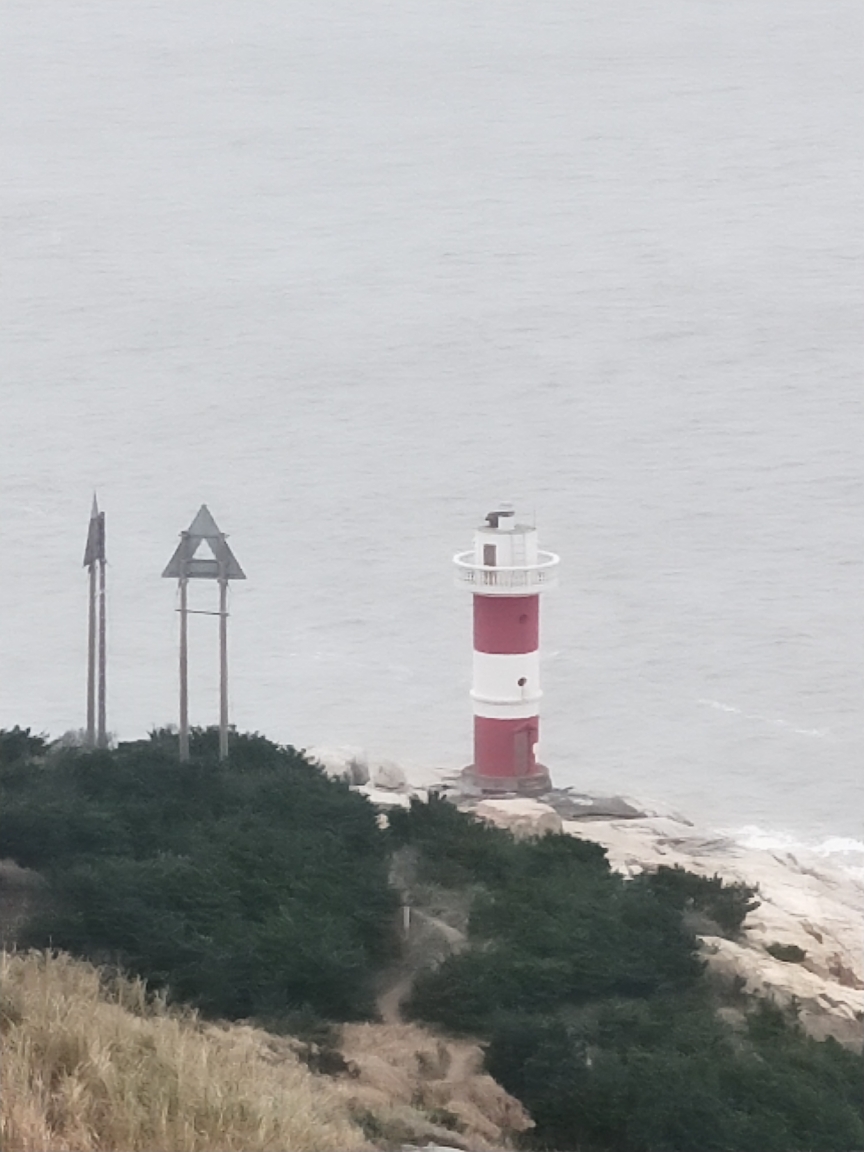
(504, 749)
(506, 624)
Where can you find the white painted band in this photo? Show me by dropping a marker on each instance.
(521, 710)
(506, 678)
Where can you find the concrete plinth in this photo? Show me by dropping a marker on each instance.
(538, 783)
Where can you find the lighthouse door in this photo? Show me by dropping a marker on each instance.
(522, 751)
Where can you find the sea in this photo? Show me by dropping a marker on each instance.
(351, 273)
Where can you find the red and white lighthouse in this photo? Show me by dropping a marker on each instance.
(506, 572)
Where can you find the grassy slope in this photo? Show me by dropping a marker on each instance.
(88, 1066)
(92, 1063)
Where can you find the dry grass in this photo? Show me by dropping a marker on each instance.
(91, 1064)
(418, 1086)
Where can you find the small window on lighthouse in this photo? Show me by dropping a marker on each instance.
(521, 681)
(489, 551)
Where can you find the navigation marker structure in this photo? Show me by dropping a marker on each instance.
(94, 561)
(221, 566)
(506, 572)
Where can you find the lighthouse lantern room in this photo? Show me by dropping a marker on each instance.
(506, 572)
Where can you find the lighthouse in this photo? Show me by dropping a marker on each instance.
(505, 571)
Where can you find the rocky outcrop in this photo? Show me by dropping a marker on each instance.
(382, 782)
(353, 765)
(809, 910)
(388, 775)
(342, 763)
(384, 799)
(802, 943)
(521, 816)
(823, 1010)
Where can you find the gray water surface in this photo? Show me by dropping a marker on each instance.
(351, 273)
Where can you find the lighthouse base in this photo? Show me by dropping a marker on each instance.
(534, 785)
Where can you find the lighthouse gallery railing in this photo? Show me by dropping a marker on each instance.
(521, 577)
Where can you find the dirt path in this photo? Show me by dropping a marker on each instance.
(390, 1001)
(398, 985)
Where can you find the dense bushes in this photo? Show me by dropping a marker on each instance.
(19, 744)
(666, 1074)
(259, 887)
(725, 904)
(588, 990)
(248, 888)
(554, 925)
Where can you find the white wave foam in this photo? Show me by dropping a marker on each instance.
(778, 722)
(754, 836)
(843, 853)
(840, 845)
(720, 706)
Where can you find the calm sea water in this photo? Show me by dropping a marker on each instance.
(351, 272)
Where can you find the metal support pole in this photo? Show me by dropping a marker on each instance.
(223, 669)
(101, 734)
(184, 670)
(186, 565)
(91, 661)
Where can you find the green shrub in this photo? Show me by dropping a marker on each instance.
(789, 953)
(551, 924)
(727, 904)
(455, 850)
(18, 745)
(249, 888)
(666, 1076)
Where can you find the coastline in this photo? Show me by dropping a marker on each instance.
(806, 904)
(809, 908)
(811, 897)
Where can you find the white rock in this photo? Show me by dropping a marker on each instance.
(826, 1008)
(342, 763)
(387, 774)
(382, 799)
(523, 816)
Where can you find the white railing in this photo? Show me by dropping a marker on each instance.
(505, 580)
